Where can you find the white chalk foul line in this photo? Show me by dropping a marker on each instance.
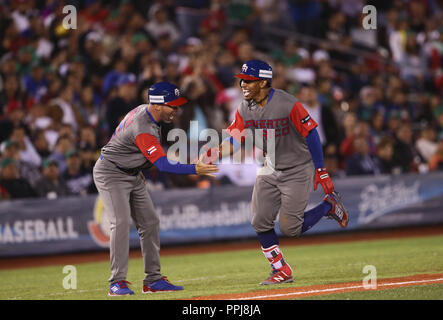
(338, 289)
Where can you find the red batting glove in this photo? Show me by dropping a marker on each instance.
(322, 177)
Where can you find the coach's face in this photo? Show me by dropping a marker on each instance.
(251, 88)
(168, 113)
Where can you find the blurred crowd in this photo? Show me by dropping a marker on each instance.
(376, 94)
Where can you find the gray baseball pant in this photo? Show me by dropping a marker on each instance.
(284, 191)
(125, 197)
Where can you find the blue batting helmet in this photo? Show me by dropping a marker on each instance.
(165, 93)
(255, 70)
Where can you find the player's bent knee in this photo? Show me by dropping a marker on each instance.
(259, 226)
(290, 231)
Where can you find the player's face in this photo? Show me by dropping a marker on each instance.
(250, 88)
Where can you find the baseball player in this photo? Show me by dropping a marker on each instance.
(285, 185)
(135, 145)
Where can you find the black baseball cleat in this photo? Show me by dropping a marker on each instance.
(338, 211)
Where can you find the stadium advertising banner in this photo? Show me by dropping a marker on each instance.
(73, 224)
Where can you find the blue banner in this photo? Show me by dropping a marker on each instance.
(74, 224)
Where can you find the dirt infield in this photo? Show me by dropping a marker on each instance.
(62, 259)
(318, 290)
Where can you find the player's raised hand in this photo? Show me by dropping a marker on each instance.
(210, 155)
(205, 169)
(322, 177)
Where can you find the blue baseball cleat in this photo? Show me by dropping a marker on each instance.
(162, 285)
(120, 288)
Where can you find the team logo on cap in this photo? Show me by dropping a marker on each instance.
(177, 92)
(244, 68)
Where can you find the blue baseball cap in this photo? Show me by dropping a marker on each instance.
(165, 93)
(255, 70)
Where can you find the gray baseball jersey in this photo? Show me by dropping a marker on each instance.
(290, 120)
(286, 190)
(135, 144)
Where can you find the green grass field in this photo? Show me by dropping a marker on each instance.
(241, 271)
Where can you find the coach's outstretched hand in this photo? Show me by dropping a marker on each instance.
(203, 169)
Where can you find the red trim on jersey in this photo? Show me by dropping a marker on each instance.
(150, 147)
(236, 128)
(301, 119)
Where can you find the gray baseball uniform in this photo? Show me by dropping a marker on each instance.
(135, 145)
(288, 187)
